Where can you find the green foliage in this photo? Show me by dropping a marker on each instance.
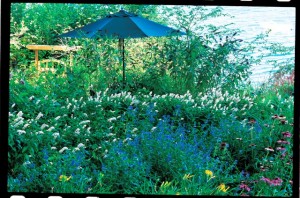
(174, 64)
(186, 108)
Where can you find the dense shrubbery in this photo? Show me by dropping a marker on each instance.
(186, 122)
(147, 139)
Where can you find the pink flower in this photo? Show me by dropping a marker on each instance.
(282, 142)
(275, 182)
(286, 134)
(280, 148)
(244, 186)
(265, 179)
(283, 121)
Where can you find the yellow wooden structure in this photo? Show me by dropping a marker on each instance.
(36, 49)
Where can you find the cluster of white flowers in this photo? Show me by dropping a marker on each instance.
(20, 114)
(39, 133)
(88, 130)
(63, 149)
(39, 116)
(74, 100)
(55, 135)
(80, 145)
(126, 140)
(44, 126)
(135, 102)
(112, 119)
(21, 132)
(84, 122)
(50, 129)
(244, 122)
(74, 108)
(25, 126)
(19, 121)
(76, 105)
(145, 103)
(214, 99)
(77, 131)
(69, 105)
(26, 163)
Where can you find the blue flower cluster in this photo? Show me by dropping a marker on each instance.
(150, 112)
(165, 151)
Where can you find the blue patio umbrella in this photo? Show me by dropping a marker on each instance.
(122, 25)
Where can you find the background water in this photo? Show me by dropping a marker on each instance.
(255, 20)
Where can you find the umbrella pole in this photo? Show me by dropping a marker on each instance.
(123, 54)
(121, 43)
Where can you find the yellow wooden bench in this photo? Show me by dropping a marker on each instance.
(36, 49)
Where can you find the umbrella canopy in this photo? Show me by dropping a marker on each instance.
(122, 25)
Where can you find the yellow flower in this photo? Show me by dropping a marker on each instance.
(64, 178)
(177, 193)
(210, 174)
(187, 176)
(165, 184)
(222, 187)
